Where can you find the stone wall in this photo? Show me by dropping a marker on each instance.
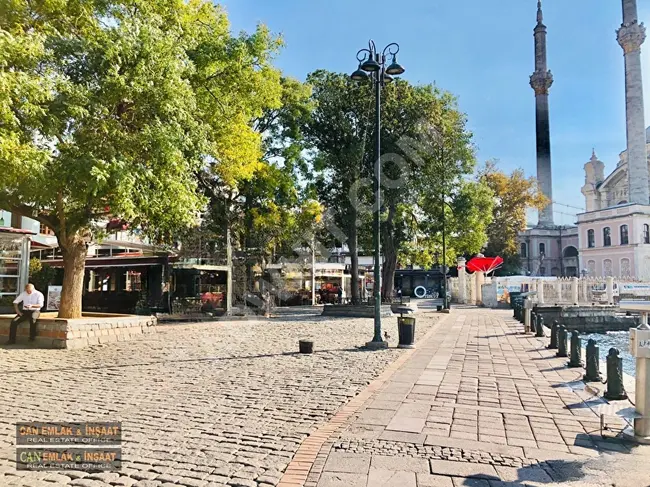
(92, 329)
(588, 319)
(351, 311)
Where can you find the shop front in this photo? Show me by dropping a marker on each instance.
(199, 288)
(125, 285)
(14, 265)
(132, 283)
(292, 283)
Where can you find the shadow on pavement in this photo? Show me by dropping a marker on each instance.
(550, 472)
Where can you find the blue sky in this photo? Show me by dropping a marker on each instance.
(482, 51)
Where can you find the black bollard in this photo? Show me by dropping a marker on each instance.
(576, 350)
(593, 362)
(561, 342)
(533, 321)
(554, 329)
(539, 327)
(615, 389)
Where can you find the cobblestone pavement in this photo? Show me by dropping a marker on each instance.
(219, 404)
(481, 405)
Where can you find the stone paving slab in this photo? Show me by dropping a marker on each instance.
(391, 478)
(462, 469)
(499, 410)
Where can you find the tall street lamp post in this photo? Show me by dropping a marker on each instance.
(372, 66)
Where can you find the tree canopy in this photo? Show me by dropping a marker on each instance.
(427, 156)
(110, 108)
(514, 195)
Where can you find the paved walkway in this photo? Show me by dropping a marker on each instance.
(478, 404)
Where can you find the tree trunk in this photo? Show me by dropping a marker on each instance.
(354, 257)
(390, 257)
(74, 264)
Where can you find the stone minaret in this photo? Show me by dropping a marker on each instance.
(541, 81)
(630, 36)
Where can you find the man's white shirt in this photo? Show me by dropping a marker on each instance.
(31, 301)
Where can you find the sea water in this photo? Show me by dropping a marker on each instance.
(616, 339)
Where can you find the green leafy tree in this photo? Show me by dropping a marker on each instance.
(514, 194)
(339, 133)
(467, 215)
(260, 211)
(430, 157)
(445, 186)
(111, 108)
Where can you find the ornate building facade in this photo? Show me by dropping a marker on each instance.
(614, 232)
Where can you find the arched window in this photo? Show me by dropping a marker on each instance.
(626, 270)
(542, 249)
(524, 250)
(607, 237)
(646, 233)
(569, 252)
(591, 267)
(607, 268)
(591, 238)
(625, 237)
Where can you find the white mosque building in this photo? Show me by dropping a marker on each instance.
(614, 232)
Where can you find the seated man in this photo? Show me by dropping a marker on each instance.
(32, 303)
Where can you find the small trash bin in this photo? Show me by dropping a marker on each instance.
(406, 332)
(306, 346)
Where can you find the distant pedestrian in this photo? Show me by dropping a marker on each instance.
(32, 301)
(340, 295)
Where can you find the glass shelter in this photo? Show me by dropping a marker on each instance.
(14, 263)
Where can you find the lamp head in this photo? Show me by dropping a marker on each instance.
(359, 75)
(370, 65)
(395, 68)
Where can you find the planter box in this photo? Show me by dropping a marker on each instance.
(91, 329)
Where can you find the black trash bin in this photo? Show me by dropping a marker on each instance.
(306, 346)
(406, 332)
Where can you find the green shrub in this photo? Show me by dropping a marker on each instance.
(41, 275)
